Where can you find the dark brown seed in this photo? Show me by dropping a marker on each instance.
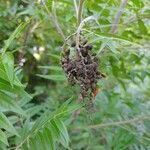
(73, 64)
(73, 72)
(84, 52)
(83, 68)
(89, 59)
(80, 74)
(83, 93)
(95, 65)
(80, 66)
(73, 44)
(69, 67)
(88, 81)
(92, 80)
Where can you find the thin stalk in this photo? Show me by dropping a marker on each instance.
(76, 7)
(117, 123)
(53, 16)
(80, 9)
(118, 15)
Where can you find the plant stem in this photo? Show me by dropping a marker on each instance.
(118, 15)
(117, 123)
(53, 16)
(76, 7)
(80, 8)
(55, 20)
(82, 23)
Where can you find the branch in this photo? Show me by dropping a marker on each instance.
(117, 17)
(76, 7)
(118, 123)
(53, 16)
(80, 8)
(80, 28)
(115, 24)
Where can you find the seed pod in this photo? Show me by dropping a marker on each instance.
(95, 65)
(84, 52)
(69, 67)
(83, 93)
(79, 65)
(88, 81)
(89, 47)
(73, 72)
(92, 80)
(89, 59)
(93, 86)
(82, 68)
(80, 73)
(87, 87)
(73, 64)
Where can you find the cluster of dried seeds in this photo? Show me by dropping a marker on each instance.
(82, 69)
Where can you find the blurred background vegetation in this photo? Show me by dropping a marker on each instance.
(35, 112)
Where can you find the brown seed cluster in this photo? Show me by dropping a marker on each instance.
(82, 69)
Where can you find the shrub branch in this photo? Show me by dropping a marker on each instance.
(118, 15)
(80, 8)
(117, 123)
(54, 18)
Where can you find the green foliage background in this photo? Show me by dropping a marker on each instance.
(37, 103)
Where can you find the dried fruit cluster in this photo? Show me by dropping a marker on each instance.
(82, 68)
